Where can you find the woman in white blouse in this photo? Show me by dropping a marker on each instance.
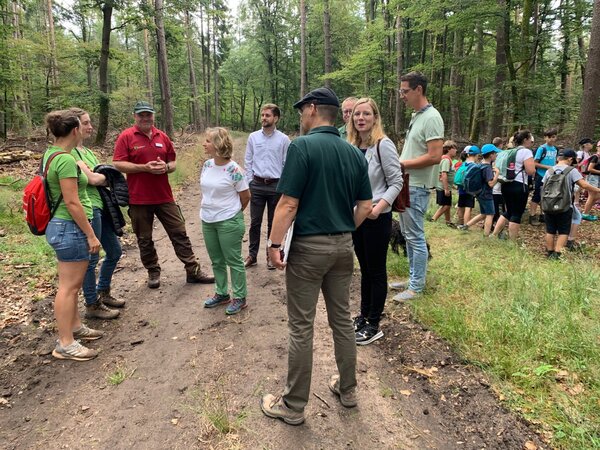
(225, 195)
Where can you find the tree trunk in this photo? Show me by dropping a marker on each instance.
(327, 41)
(147, 68)
(196, 118)
(163, 69)
(477, 107)
(500, 78)
(564, 63)
(399, 68)
(456, 84)
(303, 67)
(104, 106)
(52, 45)
(591, 87)
(216, 73)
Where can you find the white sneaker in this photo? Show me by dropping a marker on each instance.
(398, 285)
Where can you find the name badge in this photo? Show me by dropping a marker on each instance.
(158, 144)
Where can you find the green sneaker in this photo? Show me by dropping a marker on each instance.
(236, 306)
(216, 300)
(589, 217)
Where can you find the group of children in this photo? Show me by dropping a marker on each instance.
(501, 179)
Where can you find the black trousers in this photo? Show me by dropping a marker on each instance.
(262, 195)
(371, 241)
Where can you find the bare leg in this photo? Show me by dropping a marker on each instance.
(70, 278)
(500, 224)
(487, 225)
(561, 241)
(549, 242)
(513, 230)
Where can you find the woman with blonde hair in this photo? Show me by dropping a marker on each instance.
(225, 195)
(372, 237)
(70, 234)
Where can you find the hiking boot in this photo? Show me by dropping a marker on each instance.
(462, 227)
(368, 334)
(75, 352)
(399, 285)
(197, 276)
(573, 246)
(347, 399)
(359, 323)
(87, 334)
(153, 280)
(555, 255)
(100, 311)
(589, 217)
(109, 300)
(216, 300)
(236, 305)
(250, 261)
(276, 408)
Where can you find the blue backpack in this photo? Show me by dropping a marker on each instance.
(473, 179)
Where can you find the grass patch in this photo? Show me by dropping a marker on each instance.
(119, 375)
(532, 324)
(189, 162)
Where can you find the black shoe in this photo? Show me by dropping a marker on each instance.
(368, 334)
(153, 280)
(359, 323)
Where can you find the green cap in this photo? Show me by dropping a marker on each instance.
(143, 107)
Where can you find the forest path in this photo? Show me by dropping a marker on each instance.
(194, 377)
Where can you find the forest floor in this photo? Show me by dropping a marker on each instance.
(172, 374)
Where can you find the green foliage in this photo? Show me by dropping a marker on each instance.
(531, 323)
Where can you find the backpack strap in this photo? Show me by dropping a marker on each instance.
(45, 173)
(380, 163)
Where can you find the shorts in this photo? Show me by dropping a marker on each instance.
(593, 179)
(67, 240)
(442, 199)
(559, 223)
(486, 206)
(466, 201)
(537, 189)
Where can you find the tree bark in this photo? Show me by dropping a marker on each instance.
(564, 62)
(327, 41)
(399, 68)
(591, 87)
(303, 66)
(456, 84)
(500, 78)
(195, 105)
(52, 45)
(163, 69)
(104, 101)
(477, 100)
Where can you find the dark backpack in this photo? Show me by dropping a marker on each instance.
(556, 192)
(37, 203)
(473, 179)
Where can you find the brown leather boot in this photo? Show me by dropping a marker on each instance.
(109, 300)
(100, 311)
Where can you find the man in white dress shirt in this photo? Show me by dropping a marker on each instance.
(265, 156)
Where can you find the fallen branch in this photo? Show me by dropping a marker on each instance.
(322, 399)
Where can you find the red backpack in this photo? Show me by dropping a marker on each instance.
(36, 199)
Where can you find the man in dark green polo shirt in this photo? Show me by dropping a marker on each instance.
(325, 188)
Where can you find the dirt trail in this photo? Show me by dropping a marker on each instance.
(185, 366)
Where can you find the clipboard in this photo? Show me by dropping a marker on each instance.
(288, 242)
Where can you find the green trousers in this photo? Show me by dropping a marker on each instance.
(224, 246)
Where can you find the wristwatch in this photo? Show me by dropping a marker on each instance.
(271, 245)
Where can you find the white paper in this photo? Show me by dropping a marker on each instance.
(288, 242)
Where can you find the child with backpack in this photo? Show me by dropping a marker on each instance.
(545, 157)
(557, 200)
(445, 182)
(466, 202)
(489, 177)
(591, 168)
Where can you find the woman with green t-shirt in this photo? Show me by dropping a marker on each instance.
(70, 234)
(97, 297)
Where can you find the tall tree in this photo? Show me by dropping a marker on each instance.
(104, 98)
(303, 68)
(591, 87)
(163, 69)
(327, 41)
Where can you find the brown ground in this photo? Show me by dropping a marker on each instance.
(185, 366)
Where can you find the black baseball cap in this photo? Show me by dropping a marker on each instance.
(143, 107)
(586, 141)
(320, 96)
(568, 153)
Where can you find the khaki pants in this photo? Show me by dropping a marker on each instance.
(323, 262)
(169, 214)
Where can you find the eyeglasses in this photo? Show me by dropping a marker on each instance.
(403, 92)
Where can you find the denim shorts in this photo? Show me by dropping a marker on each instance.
(594, 179)
(486, 206)
(67, 240)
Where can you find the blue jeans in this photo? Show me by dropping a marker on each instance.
(412, 224)
(112, 248)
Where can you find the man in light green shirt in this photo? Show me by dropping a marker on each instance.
(420, 156)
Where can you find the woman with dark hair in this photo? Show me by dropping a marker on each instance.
(516, 192)
(371, 239)
(97, 297)
(70, 234)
